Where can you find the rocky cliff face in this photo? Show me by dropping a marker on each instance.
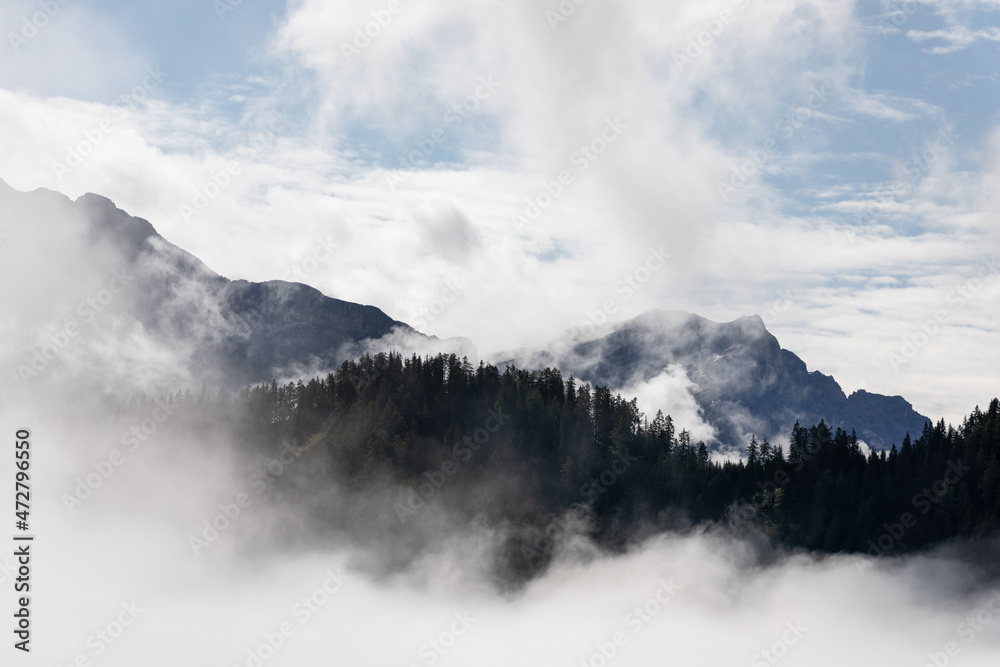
(224, 331)
(745, 382)
(280, 324)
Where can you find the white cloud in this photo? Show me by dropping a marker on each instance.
(670, 391)
(956, 37)
(655, 185)
(883, 106)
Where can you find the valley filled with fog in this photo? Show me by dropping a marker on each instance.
(706, 596)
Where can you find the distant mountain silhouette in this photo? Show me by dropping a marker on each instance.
(234, 332)
(231, 331)
(746, 383)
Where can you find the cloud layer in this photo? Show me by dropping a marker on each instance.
(536, 160)
(122, 582)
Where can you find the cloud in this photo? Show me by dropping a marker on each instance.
(329, 172)
(448, 231)
(671, 392)
(879, 105)
(956, 38)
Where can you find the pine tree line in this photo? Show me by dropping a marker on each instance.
(560, 444)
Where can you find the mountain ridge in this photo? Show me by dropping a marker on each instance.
(236, 332)
(739, 369)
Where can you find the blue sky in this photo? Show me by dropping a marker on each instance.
(209, 49)
(186, 38)
(869, 202)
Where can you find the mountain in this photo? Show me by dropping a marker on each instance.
(743, 380)
(135, 290)
(111, 298)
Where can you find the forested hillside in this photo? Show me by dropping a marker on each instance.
(519, 448)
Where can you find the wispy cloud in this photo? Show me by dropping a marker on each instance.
(955, 38)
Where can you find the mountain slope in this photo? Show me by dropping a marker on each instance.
(745, 381)
(220, 331)
(148, 316)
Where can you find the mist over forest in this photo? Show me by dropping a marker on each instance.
(599, 334)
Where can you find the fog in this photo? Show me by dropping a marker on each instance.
(163, 550)
(710, 596)
(670, 392)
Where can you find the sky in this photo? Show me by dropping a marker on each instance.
(505, 171)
